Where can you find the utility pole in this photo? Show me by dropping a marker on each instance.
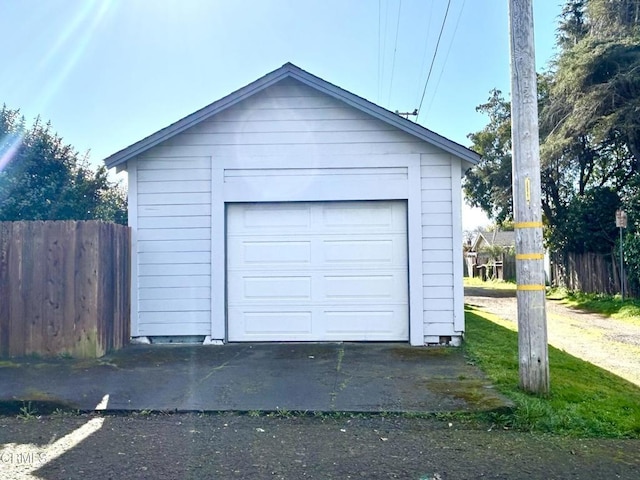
(527, 206)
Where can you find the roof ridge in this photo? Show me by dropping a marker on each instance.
(313, 81)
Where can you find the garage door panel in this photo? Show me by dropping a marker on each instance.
(317, 288)
(341, 275)
(270, 218)
(364, 325)
(269, 288)
(364, 251)
(363, 288)
(358, 216)
(319, 324)
(282, 325)
(269, 252)
(318, 252)
(358, 251)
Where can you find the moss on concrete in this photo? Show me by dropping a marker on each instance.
(416, 353)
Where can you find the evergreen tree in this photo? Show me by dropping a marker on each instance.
(42, 178)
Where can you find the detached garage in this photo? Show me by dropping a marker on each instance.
(293, 210)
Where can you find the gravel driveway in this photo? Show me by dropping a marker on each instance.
(606, 342)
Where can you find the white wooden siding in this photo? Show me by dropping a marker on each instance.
(173, 246)
(438, 249)
(289, 142)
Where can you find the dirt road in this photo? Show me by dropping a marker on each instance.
(189, 446)
(608, 343)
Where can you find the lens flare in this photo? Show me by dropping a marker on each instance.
(8, 148)
(74, 41)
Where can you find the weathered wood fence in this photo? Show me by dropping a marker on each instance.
(64, 288)
(587, 272)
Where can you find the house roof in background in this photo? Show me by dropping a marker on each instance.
(289, 70)
(499, 238)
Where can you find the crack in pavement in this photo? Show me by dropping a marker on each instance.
(337, 387)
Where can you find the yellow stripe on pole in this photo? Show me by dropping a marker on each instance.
(528, 225)
(530, 256)
(530, 288)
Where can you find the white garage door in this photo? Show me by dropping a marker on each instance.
(325, 271)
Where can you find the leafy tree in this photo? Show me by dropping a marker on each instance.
(42, 178)
(488, 185)
(589, 106)
(587, 224)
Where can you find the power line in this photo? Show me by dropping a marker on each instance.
(395, 48)
(424, 51)
(384, 47)
(379, 44)
(446, 57)
(435, 52)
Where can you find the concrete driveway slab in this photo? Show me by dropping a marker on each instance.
(354, 377)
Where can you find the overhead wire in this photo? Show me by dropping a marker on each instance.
(424, 52)
(446, 57)
(433, 59)
(379, 44)
(395, 49)
(384, 48)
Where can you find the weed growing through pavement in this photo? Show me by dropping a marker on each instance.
(28, 412)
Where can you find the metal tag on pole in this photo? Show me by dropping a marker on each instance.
(621, 222)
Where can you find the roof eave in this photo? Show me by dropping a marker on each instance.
(187, 122)
(388, 116)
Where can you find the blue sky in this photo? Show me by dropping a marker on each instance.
(107, 73)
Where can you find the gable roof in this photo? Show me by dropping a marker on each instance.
(288, 70)
(501, 238)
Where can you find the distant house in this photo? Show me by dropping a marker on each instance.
(491, 255)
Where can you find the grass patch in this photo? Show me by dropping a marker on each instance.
(8, 364)
(585, 401)
(494, 284)
(613, 306)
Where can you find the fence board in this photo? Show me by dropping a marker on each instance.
(5, 235)
(69, 243)
(587, 272)
(64, 288)
(17, 324)
(33, 295)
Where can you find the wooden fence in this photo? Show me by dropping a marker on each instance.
(64, 288)
(479, 265)
(587, 272)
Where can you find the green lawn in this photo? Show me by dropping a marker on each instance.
(497, 284)
(584, 400)
(627, 310)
